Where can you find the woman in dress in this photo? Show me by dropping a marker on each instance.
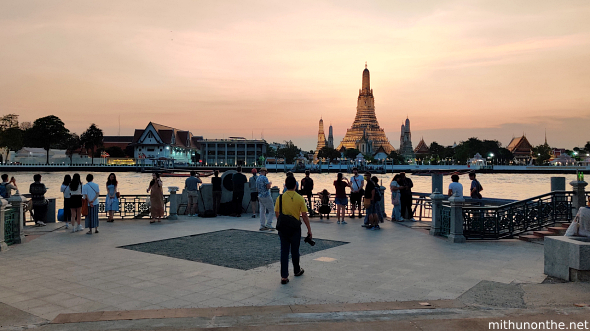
(156, 198)
(76, 202)
(341, 199)
(65, 189)
(111, 202)
(396, 214)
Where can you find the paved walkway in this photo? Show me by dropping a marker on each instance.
(61, 272)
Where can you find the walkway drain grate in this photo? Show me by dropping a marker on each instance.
(238, 249)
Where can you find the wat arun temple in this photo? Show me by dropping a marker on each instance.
(365, 134)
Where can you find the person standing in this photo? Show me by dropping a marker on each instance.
(395, 199)
(378, 199)
(476, 188)
(455, 188)
(38, 190)
(192, 187)
(264, 200)
(216, 188)
(341, 199)
(293, 204)
(238, 181)
(7, 186)
(307, 190)
(90, 192)
(76, 202)
(290, 174)
(156, 198)
(406, 197)
(253, 192)
(65, 189)
(356, 194)
(111, 204)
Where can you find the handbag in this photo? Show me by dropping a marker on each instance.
(287, 223)
(118, 194)
(395, 201)
(84, 211)
(367, 202)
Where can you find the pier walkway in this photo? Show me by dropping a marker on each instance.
(59, 272)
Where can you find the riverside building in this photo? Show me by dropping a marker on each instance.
(159, 144)
(233, 151)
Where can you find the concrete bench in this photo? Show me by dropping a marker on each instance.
(568, 258)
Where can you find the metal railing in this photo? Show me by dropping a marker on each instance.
(515, 218)
(131, 206)
(316, 204)
(11, 226)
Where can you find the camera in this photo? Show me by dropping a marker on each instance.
(309, 240)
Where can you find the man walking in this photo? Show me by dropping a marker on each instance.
(238, 180)
(356, 194)
(406, 197)
(191, 185)
(307, 189)
(265, 201)
(253, 192)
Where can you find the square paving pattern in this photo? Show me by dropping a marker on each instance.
(238, 249)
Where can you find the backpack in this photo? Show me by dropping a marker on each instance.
(3, 191)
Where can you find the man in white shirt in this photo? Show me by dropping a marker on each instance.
(90, 192)
(357, 183)
(455, 188)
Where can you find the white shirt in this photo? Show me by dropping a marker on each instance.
(76, 192)
(91, 192)
(356, 182)
(66, 191)
(394, 193)
(456, 188)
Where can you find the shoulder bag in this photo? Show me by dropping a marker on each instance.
(286, 223)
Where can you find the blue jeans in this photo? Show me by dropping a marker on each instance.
(290, 241)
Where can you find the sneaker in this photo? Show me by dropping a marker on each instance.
(284, 281)
(74, 230)
(368, 227)
(263, 228)
(338, 222)
(80, 227)
(377, 227)
(301, 271)
(343, 222)
(352, 216)
(413, 219)
(40, 223)
(67, 226)
(270, 228)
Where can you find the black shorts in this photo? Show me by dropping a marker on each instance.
(356, 198)
(253, 196)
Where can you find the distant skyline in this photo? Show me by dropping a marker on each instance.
(456, 68)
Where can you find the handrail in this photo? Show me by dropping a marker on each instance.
(508, 205)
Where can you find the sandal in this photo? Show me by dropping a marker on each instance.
(152, 221)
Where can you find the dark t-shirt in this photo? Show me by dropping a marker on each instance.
(37, 191)
(216, 181)
(307, 185)
(239, 180)
(369, 189)
(340, 188)
(407, 183)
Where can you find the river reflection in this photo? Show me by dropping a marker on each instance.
(505, 186)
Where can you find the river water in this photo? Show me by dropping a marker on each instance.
(504, 186)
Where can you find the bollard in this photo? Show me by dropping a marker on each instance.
(437, 199)
(51, 211)
(456, 232)
(274, 193)
(206, 198)
(18, 201)
(172, 215)
(3, 206)
(437, 183)
(579, 198)
(382, 202)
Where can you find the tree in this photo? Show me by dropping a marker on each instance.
(329, 153)
(72, 144)
(397, 158)
(542, 154)
(351, 153)
(8, 121)
(46, 132)
(12, 139)
(92, 139)
(289, 152)
(115, 151)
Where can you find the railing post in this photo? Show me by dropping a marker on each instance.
(3, 206)
(437, 199)
(173, 202)
(18, 201)
(382, 202)
(456, 233)
(274, 193)
(579, 198)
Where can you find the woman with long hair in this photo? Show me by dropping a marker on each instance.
(111, 204)
(341, 199)
(65, 189)
(76, 202)
(394, 186)
(156, 198)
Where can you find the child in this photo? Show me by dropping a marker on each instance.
(325, 204)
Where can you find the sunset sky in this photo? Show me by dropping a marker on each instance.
(490, 69)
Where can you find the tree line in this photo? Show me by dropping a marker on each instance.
(47, 132)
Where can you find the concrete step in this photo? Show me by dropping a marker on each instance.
(544, 233)
(530, 237)
(564, 225)
(559, 230)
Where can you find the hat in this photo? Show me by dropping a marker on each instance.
(263, 169)
(254, 170)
